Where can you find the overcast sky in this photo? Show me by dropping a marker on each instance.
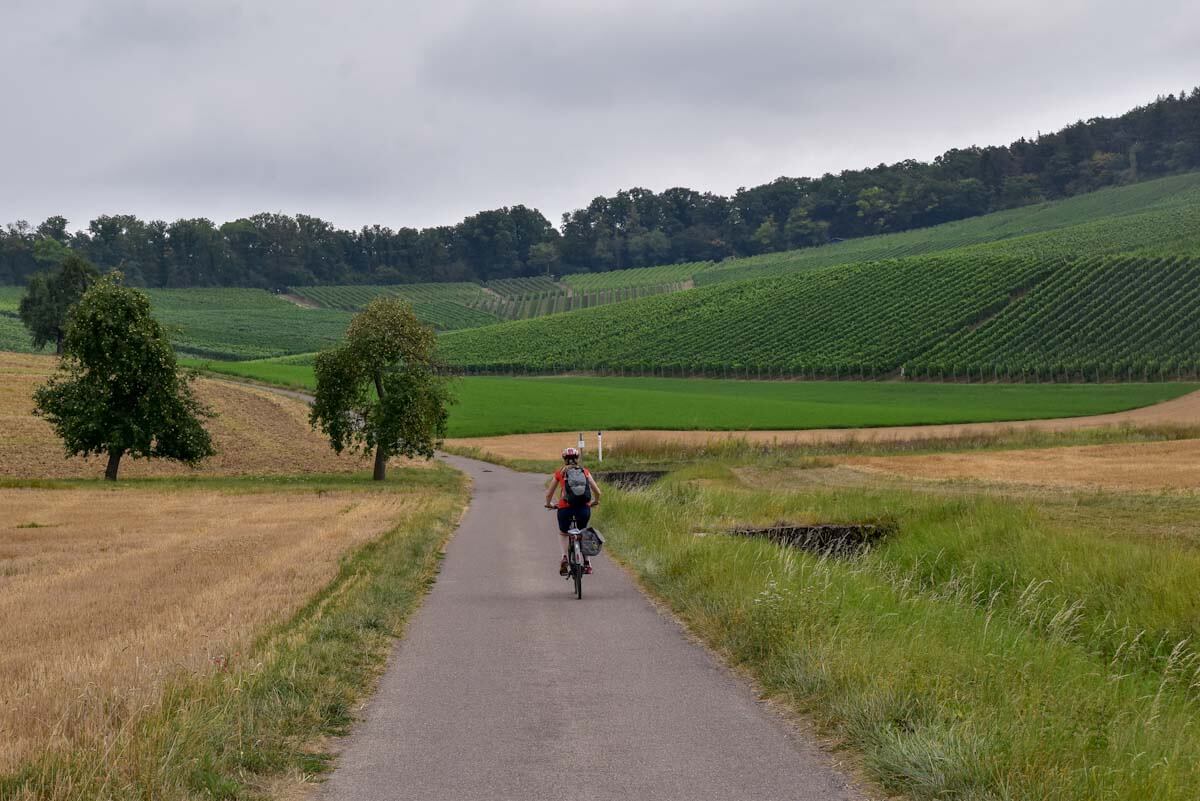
(375, 111)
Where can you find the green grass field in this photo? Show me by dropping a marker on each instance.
(492, 405)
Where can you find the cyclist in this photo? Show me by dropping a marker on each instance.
(579, 511)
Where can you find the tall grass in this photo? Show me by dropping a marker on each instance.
(984, 652)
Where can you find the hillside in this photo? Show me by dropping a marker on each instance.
(949, 316)
(214, 323)
(808, 333)
(1161, 215)
(451, 306)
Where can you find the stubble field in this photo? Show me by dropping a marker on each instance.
(256, 432)
(107, 594)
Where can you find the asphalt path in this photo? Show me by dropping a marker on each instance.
(507, 687)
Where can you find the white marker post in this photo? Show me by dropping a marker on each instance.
(600, 446)
(580, 443)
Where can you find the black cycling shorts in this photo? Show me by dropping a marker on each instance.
(580, 514)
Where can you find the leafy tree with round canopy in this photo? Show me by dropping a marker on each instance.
(380, 390)
(119, 389)
(50, 296)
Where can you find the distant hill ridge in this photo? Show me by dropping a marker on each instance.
(1158, 214)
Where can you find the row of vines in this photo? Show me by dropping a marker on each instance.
(453, 306)
(1099, 318)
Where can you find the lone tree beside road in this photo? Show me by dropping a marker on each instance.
(119, 389)
(379, 389)
(50, 296)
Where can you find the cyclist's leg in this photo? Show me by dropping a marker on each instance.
(564, 523)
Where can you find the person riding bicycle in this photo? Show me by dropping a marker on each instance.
(577, 495)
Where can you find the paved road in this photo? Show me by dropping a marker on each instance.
(506, 687)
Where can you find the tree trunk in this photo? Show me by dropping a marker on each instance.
(114, 460)
(58, 339)
(380, 457)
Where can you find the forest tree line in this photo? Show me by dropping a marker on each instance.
(634, 227)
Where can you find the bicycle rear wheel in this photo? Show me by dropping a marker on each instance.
(577, 571)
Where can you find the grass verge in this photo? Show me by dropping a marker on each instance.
(256, 724)
(988, 650)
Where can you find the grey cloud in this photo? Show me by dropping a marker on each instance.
(748, 54)
(113, 25)
(415, 114)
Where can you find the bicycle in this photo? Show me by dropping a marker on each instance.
(575, 558)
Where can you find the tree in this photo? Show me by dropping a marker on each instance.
(49, 298)
(802, 231)
(379, 390)
(766, 235)
(118, 389)
(543, 257)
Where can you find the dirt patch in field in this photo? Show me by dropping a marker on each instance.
(303, 303)
(105, 593)
(1141, 466)
(256, 432)
(1180, 411)
(630, 479)
(830, 539)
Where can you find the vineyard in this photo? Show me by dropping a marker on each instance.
(1100, 318)
(243, 323)
(453, 306)
(862, 320)
(983, 317)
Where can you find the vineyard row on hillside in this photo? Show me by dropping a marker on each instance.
(453, 306)
(991, 317)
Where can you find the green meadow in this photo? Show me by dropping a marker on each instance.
(492, 405)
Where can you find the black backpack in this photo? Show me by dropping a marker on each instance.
(576, 489)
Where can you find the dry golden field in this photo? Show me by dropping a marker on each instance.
(256, 432)
(106, 593)
(1137, 467)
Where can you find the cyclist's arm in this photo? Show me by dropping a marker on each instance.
(595, 489)
(550, 492)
